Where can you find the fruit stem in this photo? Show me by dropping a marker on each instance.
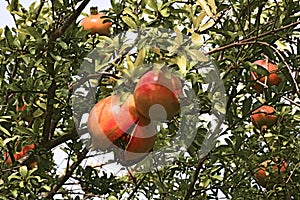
(94, 10)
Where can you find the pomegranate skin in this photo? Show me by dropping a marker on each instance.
(271, 79)
(156, 96)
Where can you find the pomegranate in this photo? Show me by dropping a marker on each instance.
(111, 123)
(97, 22)
(264, 117)
(19, 155)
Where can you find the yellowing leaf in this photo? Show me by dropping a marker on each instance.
(196, 38)
(140, 57)
(198, 20)
(282, 46)
(207, 26)
(181, 62)
(129, 62)
(205, 7)
(212, 4)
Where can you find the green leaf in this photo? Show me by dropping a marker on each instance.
(9, 36)
(152, 4)
(46, 187)
(112, 198)
(14, 176)
(198, 20)
(63, 45)
(197, 55)
(246, 106)
(32, 31)
(217, 177)
(165, 12)
(129, 62)
(36, 125)
(5, 131)
(9, 139)
(213, 6)
(206, 26)
(38, 113)
(182, 64)
(205, 7)
(14, 87)
(129, 21)
(24, 130)
(128, 11)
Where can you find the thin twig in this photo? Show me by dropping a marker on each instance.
(137, 187)
(242, 42)
(291, 101)
(91, 76)
(38, 12)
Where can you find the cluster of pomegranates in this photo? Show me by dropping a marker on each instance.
(269, 172)
(131, 125)
(264, 117)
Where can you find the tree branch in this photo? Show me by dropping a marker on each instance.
(50, 69)
(195, 177)
(91, 76)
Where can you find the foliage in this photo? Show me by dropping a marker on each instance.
(40, 59)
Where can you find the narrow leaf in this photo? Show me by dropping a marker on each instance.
(129, 22)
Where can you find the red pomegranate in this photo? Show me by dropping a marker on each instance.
(264, 117)
(19, 155)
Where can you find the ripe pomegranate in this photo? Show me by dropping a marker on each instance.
(111, 123)
(96, 22)
(267, 173)
(156, 96)
(264, 117)
(271, 79)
